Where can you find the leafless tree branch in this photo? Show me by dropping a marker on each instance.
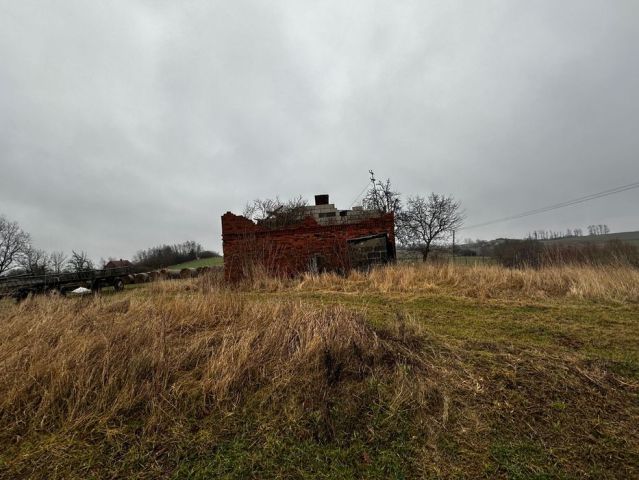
(34, 261)
(79, 262)
(275, 212)
(57, 261)
(13, 243)
(381, 197)
(428, 220)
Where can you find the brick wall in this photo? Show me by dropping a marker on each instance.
(291, 250)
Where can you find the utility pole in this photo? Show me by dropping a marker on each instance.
(453, 246)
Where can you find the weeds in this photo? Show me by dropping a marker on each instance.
(298, 378)
(488, 281)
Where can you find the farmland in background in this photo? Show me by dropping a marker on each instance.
(202, 262)
(626, 237)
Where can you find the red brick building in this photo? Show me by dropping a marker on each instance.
(118, 264)
(327, 239)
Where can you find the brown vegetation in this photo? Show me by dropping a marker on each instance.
(533, 253)
(154, 382)
(91, 366)
(481, 281)
(90, 362)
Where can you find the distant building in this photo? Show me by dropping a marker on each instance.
(326, 239)
(118, 264)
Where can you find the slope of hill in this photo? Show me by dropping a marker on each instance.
(202, 262)
(626, 237)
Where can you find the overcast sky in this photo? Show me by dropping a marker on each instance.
(127, 124)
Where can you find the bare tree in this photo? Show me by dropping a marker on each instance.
(34, 261)
(164, 255)
(426, 221)
(598, 229)
(57, 261)
(381, 196)
(13, 243)
(259, 209)
(79, 262)
(275, 212)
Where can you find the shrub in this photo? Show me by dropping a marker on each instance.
(519, 253)
(532, 253)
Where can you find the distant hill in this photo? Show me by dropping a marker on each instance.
(626, 237)
(485, 247)
(202, 262)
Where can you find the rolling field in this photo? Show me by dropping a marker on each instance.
(411, 371)
(631, 238)
(202, 262)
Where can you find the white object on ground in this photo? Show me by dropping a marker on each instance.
(81, 291)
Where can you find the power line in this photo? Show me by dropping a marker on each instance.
(359, 194)
(556, 206)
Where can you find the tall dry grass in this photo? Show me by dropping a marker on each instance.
(177, 366)
(201, 345)
(188, 350)
(606, 283)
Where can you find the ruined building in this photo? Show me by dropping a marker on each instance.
(323, 238)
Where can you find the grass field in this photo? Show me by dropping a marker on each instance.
(412, 371)
(202, 262)
(475, 261)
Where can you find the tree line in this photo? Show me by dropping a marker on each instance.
(19, 256)
(601, 229)
(166, 255)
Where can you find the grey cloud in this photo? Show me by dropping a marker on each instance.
(127, 124)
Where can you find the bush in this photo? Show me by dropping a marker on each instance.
(519, 253)
(613, 252)
(166, 255)
(532, 253)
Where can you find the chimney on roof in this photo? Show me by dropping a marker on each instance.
(321, 199)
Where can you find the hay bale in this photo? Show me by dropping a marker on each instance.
(154, 276)
(173, 274)
(128, 279)
(141, 277)
(188, 273)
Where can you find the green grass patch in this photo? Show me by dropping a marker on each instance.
(202, 262)
(523, 461)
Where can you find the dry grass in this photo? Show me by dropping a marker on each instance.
(91, 366)
(489, 281)
(86, 363)
(291, 378)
